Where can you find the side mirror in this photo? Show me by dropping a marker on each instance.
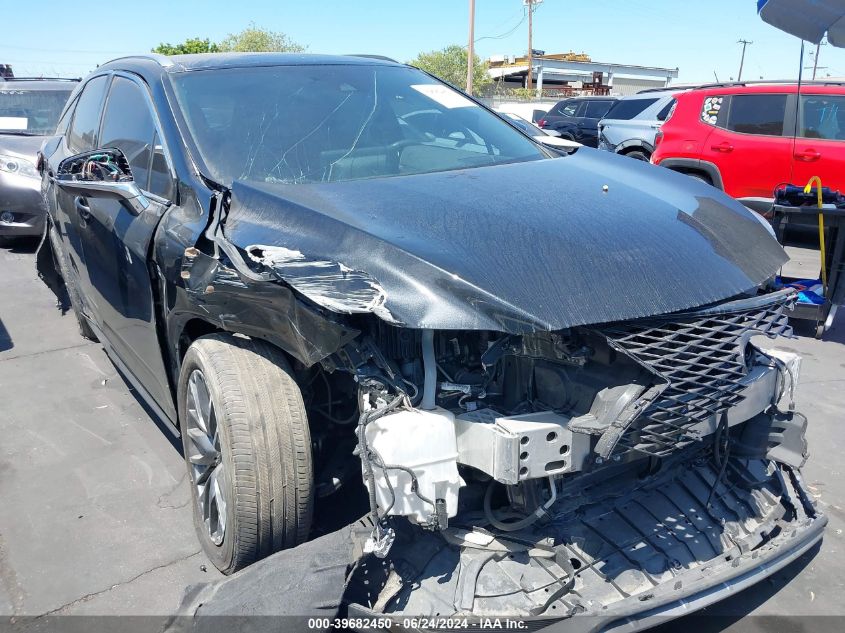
(101, 174)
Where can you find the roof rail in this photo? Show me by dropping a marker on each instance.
(161, 60)
(383, 58)
(677, 88)
(756, 82)
(39, 79)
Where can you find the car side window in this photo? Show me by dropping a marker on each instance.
(627, 109)
(761, 114)
(61, 126)
(161, 183)
(597, 109)
(82, 136)
(128, 125)
(823, 117)
(567, 108)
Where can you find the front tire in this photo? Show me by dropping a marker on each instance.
(638, 155)
(696, 175)
(247, 448)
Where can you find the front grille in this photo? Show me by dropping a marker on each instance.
(701, 357)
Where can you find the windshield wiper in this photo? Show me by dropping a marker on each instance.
(18, 132)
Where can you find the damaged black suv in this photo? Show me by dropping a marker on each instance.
(325, 272)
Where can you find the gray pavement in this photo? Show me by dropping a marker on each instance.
(94, 514)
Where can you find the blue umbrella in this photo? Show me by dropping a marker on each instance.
(807, 19)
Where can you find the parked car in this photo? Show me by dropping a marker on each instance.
(577, 118)
(532, 111)
(348, 311)
(742, 138)
(631, 124)
(550, 138)
(29, 111)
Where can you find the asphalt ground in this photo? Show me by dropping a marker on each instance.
(94, 502)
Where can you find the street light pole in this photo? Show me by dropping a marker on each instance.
(471, 47)
(742, 59)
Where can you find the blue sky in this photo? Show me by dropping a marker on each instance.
(69, 39)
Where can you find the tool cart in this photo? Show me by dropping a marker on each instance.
(816, 307)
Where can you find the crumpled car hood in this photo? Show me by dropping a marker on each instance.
(543, 245)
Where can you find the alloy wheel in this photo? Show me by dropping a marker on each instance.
(202, 449)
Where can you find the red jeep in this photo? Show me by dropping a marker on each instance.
(742, 137)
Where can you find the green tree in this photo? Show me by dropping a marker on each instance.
(191, 45)
(450, 64)
(254, 39)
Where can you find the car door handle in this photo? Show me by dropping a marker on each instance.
(723, 147)
(808, 155)
(82, 208)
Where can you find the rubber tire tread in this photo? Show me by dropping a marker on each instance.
(266, 447)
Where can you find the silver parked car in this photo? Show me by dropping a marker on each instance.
(631, 124)
(29, 111)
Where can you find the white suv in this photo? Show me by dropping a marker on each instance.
(631, 124)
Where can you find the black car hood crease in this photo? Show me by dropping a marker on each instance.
(540, 245)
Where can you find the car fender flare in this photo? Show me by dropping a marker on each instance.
(694, 164)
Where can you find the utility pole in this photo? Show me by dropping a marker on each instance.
(530, 4)
(742, 59)
(816, 59)
(471, 47)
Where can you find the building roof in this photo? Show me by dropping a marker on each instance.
(574, 66)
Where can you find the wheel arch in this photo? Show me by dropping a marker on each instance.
(691, 165)
(635, 145)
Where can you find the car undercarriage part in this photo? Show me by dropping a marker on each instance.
(619, 544)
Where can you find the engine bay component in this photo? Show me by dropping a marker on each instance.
(416, 454)
(514, 448)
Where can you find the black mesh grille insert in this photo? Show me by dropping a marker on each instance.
(701, 356)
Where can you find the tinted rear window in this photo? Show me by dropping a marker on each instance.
(566, 108)
(628, 108)
(757, 114)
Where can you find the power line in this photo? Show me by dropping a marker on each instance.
(46, 62)
(63, 50)
(507, 33)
